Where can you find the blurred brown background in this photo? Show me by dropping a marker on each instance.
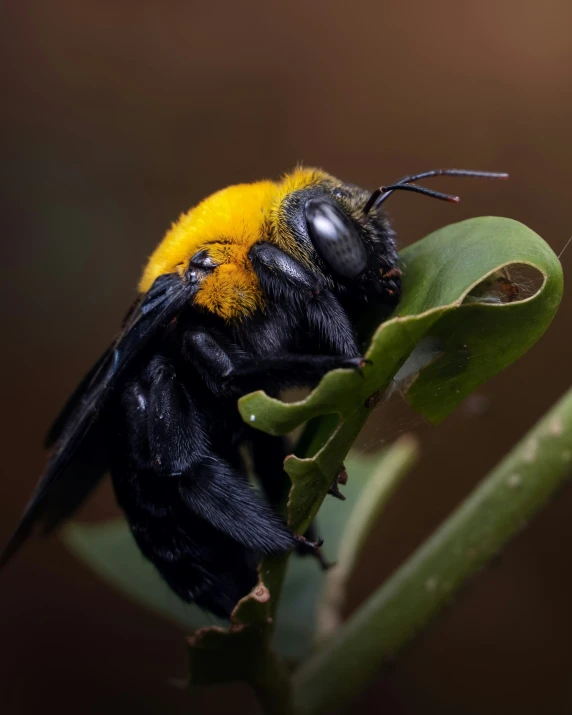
(118, 116)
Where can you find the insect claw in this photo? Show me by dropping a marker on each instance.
(307, 544)
(313, 547)
(357, 364)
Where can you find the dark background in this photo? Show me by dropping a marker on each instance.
(117, 116)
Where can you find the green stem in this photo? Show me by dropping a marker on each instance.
(495, 511)
(273, 568)
(388, 474)
(272, 688)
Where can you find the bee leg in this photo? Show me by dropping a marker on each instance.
(282, 276)
(285, 280)
(172, 443)
(208, 556)
(327, 318)
(199, 563)
(289, 370)
(222, 497)
(268, 454)
(209, 358)
(221, 373)
(165, 430)
(308, 546)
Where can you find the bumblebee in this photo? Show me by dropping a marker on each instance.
(260, 286)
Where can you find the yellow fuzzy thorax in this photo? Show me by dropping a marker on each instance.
(229, 223)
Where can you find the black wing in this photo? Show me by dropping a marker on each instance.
(80, 457)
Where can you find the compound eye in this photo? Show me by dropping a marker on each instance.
(335, 238)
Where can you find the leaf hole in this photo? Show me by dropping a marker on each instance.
(510, 284)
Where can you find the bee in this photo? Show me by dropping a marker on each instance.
(259, 287)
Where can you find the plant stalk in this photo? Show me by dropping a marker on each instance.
(495, 511)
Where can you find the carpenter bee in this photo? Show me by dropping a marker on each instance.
(260, 286)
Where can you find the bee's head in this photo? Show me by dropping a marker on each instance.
(342, 232)
(352, 249)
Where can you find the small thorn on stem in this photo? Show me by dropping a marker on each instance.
(335, 492)
(342, 478)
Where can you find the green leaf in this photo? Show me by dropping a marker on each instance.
(480, 337)
(217, 655)
(496, 510)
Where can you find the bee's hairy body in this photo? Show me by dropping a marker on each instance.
(258, 287)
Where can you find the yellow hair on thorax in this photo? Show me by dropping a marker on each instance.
(228, 223)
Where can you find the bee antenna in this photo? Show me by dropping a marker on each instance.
(406, 184)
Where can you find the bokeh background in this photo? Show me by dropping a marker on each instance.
(117, 116)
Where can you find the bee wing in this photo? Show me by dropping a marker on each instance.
(80, 456)
(144, 316)
(58, 426)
